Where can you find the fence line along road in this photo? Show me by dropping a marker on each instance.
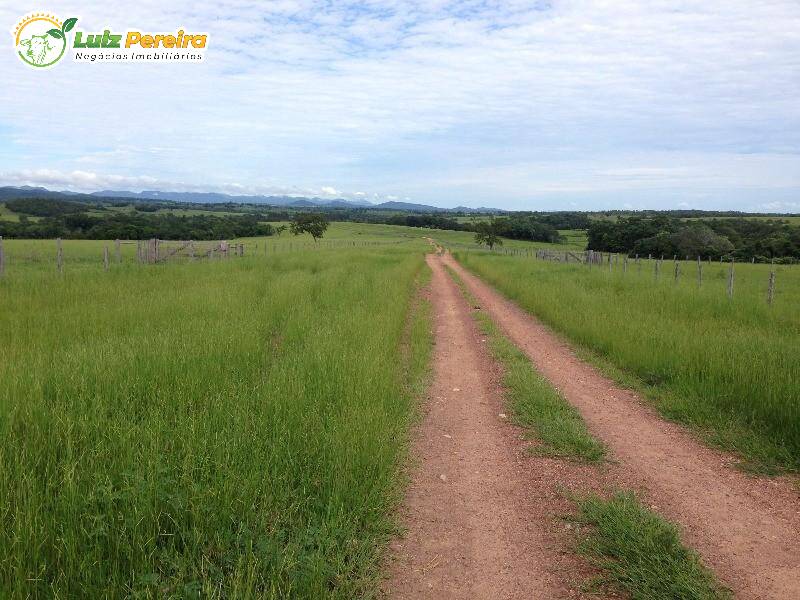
(158, 251)
(593, 258)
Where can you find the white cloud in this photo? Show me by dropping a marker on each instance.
(779, 207)
(413, 97)
(88, 181)
(76, 180)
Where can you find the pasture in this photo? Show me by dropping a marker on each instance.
(88, 254)
(6, 214)
(228, 428)
(727, 367)
(239, 427)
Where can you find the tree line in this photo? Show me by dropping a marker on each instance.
(515, 226)
(137, 226)
(734, 238)
(98, 220)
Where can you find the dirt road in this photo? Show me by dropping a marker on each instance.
(747, 529)
(478, 525)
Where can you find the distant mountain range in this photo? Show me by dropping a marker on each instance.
(10, 192)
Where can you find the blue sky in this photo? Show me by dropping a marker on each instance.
(575, 104)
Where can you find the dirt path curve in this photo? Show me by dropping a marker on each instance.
(747, 529)
(472, 531)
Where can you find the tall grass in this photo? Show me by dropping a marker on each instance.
(226, 429)
(729, 368)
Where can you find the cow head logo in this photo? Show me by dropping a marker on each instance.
(41, 40)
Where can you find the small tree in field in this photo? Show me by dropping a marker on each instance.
(279, 230)
(486, 234)
(313, 223)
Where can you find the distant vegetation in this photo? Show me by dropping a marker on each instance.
(106, 219)
(314, 224)
(737, 238)
(74, 220)
(516, 226)
(44, 207)
(682, 233)
(486, 232)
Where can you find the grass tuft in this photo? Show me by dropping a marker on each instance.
(641, 553)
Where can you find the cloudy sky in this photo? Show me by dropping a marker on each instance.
(555, 104)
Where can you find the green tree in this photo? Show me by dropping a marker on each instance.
(487, 233)
(700, 240)
(312, 223)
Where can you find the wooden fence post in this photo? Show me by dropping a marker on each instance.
(677, 268)
(699, 272)
(59, 256)
(730, 280)
(118, 250)
(2, 258)
(771, 287)
(657, 266)
(105, 258)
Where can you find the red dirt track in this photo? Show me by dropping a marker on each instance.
(470, 531)
(747, 529)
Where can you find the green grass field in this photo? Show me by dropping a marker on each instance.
(88, 254)
(215, 429)
(728, 368)
(237, 428)
(7, 214)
